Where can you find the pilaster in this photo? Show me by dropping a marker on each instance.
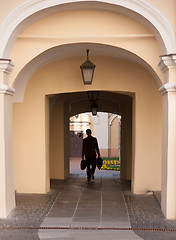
(6, 66)
(168, 65)
(168, 91)
(7, 196)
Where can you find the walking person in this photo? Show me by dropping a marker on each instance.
(90, 150)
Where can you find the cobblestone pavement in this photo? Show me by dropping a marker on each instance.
(30, 211)
(144, 212)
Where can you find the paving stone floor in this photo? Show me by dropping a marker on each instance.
(36, 210)
(82, 204)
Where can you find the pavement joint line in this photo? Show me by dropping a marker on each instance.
(87, 228)
(101, 212)
(53, 203)
(77, 204)
(122, 194)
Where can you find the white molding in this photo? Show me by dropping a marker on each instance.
(6, 65)
(168, 87)
(19, 18)
(77, 37)
(6, 89)
(167, 62)
(111, 118)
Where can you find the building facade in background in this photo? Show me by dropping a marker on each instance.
(104, 126)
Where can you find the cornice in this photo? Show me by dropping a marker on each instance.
(168, 87)
(6, 89)
(6, 65)
(167, 62)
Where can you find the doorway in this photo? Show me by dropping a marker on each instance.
(69, 113)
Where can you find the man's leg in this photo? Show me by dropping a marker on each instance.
(93, 165)
(93, 162)
(88, 169)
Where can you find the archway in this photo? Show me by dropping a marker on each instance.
(165, 41)
(38, 117)
(26, 13)
(78, 102)
(70, 51)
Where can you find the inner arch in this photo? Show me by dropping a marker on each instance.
(74, 50)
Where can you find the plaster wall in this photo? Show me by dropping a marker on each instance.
(57, 146)
(126, 141)
(165, 7)
(101, 133)
(31, 147)
(114, 138)
(104, 27)
(29, 121)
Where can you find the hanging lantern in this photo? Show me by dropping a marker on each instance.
(87, 69)
(94, 109)
(92, 96)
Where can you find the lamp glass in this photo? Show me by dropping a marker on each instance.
(87, 75)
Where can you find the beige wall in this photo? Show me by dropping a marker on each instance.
(114, 137)
(77, 27)
(31, 143)
(57, 146)
(7, 7)
(166, 7)
(126, 141)
(59, 142)
(29, 118)
(147, 158)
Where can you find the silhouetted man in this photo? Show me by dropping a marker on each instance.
(90, 150)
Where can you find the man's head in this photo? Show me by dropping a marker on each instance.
(89, 132)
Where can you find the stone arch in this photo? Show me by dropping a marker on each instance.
(78, 103)
(30, 11)
(49, 86)
(72, 50)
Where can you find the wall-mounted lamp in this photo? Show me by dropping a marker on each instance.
(87, 69)
(94, 109)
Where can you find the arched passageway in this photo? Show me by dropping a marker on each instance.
(34, 121)
(127, 64)
(135, 99)
(78, 103)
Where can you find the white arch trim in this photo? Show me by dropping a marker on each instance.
(112, 117)
(18, 19)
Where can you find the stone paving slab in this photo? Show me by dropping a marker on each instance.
(32, 209)
(99, 204)
(88, 235)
